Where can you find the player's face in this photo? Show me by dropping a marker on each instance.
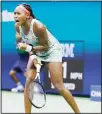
(20, 16)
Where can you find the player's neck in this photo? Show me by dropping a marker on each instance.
(26, 26)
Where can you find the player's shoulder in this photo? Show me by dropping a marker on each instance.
(38, 24)
(38, 28)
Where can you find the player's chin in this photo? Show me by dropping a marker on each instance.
(18, 23)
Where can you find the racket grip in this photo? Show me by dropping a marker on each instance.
(37, 74)
(38, 66)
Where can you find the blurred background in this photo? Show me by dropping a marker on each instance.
(77, 26)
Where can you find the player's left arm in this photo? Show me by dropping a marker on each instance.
(40, 32)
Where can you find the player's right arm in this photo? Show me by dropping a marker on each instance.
(17, 33)
(18, 37)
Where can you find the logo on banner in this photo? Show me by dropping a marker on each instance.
(76, 76)
(68, 50)
(69, 86)
(7, 16)
(95, 93)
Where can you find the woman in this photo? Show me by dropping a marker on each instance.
(40, 41)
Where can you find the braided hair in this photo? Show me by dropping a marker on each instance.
(28, 7)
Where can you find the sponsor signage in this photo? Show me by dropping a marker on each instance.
(95, 93)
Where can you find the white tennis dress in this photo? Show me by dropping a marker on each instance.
(53, 54)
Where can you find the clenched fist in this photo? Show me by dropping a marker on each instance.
(22, 46)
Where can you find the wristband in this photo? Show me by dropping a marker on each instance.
(29, 48)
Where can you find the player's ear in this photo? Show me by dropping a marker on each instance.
(28, 16)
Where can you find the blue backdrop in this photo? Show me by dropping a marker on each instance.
(69, 21)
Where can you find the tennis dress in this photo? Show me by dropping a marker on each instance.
(54, 52)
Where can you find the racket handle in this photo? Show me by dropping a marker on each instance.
(37, 76)
(38, 66)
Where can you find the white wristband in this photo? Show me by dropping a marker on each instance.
(29, 48)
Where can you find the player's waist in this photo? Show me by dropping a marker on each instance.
(50, 50)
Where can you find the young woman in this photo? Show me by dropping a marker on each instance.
(47, 48)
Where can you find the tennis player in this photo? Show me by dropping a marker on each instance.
(47, 49)
(19, 66)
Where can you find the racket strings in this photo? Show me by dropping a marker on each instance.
(31, 91)
(37, 94)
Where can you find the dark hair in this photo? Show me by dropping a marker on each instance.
(28, 7)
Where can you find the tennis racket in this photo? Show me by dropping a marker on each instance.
(36, 93)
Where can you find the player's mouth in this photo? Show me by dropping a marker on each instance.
(17, 20)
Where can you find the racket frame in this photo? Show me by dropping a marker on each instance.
(44, 95)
